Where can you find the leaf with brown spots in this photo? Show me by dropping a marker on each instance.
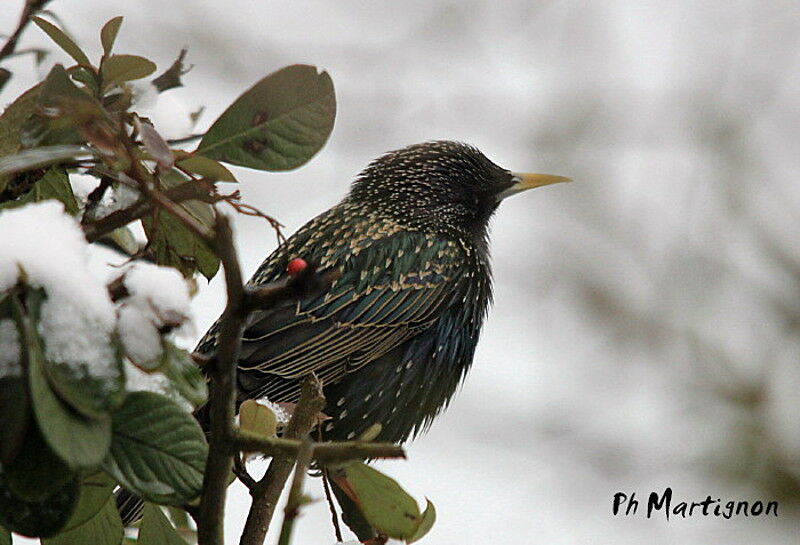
(278, 124)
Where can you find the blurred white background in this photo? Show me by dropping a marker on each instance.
(645, 330)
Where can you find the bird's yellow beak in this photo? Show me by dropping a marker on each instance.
(525, 180)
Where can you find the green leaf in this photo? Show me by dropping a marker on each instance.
(209, 169)
(38, 518)
(53, 185)
(15, 408)
(11, 123)
(108, 34)
(63, 109)
(122, 240)
(87, 77)
(428, 519)
(383, 502)
(14, 116)
(80, 442)
(14, 400)
(96, 490)
(158, 451)
(39, 131)
(64, 42)
(41, 157)
(156, 528)
(5, 536)
(117, 69)
(92, 391)
(256, 418)
(179, 518)
(184, 375)
(37, 472)
(174, 245)
(58, 88)
(69, 114)
(278, 124)
(105, 528)
(155, 145)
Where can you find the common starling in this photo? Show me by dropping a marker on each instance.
(396, 332)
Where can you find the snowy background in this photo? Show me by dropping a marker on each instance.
(645, 331)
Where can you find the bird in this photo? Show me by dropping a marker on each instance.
(395, 333)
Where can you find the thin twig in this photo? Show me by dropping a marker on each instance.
(203, 232)
(185, 139)
(94, 230)
(241, 472)
(266, 492)
(249, 210)
(326, 485)
(323, 452)
(296, 499)
(117, 289)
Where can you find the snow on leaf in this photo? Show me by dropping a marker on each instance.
(49, 246)
(158, 302)
(46, 246)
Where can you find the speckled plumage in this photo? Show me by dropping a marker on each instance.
(395, 334)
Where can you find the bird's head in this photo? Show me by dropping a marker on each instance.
(441, 185)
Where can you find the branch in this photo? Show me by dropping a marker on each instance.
(222, 397)
(249, 210)
(266, 491)
(94, 230)
(204, 233)
(31, 7)
(323, 452)
(296, 499)
(185, 139)
(326, 486)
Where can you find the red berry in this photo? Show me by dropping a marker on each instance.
(296, 266)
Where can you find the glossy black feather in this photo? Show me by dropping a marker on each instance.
(396, 333)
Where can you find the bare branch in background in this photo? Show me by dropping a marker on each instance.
(171, 78)
(31, 7)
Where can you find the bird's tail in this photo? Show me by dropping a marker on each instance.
(129, 505)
